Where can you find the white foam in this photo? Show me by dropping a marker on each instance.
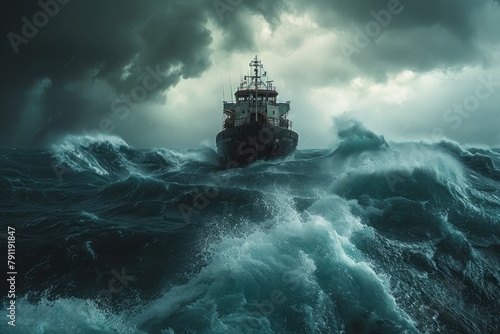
(309, 260)
(73, 151)
(71, 316)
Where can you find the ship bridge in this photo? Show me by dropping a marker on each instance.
(256, 102)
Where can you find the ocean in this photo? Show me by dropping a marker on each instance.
(368, 236)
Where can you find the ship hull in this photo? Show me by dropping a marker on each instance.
(238, 146)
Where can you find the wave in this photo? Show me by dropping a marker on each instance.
(111, 156)
(298, 268)
(353, 137)
(368, 236)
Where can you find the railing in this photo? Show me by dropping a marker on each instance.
(251, 87)
(250, 119)
(251, 102)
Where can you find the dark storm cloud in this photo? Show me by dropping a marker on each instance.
(454, 15)
(114, 42)
(85, 60)
(236, 20)
(66, 62)
(419, 35)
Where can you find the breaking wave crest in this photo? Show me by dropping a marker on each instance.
(370, 236)
(111, 156)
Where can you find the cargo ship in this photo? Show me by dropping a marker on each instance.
(255, 123)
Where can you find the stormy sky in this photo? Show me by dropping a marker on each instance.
(154, 72)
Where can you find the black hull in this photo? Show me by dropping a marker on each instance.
(241, 145)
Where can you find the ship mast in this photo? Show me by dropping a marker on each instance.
(256, 64)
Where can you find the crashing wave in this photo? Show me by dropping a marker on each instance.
(111, 156)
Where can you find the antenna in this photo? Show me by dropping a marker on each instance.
(221, 82)
(241, 78)
(230, 82)
(257, 65)
(231, 85)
